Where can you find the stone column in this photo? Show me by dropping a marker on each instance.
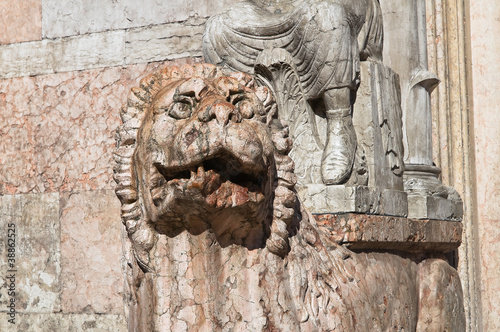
(452, 30)
(405, 50)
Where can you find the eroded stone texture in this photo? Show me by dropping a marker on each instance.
(20, 21)
(57, 130)
(406, 53)
(440, 290)
(346, 156)
(485, 68)
(217, 239)
(201, 285)
(94, 16)
(377, 119)
(106, 49)
(90, 248)
(434, 207)
(64, 322)
(37, 252)
(360, 231)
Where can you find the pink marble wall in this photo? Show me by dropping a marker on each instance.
(57, 138)
(485, 47)
(58, 130)
(20, 21)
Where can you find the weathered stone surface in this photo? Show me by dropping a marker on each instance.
(485, 49)
(64, 322)
(75, 53)
(393, 203)
(94, 16)
(201, 285)
(57, 130)
(360, 231)
(319, 198)
(464, 49)
(37, 252)
(406, 53)
(449, 48)
(164, 42)
(224, 125)
(217, 238)
(106, 49)
(20, 21)
(440, 290)
(431, 207)
(331, 145)
(90, 253)
(377, 119)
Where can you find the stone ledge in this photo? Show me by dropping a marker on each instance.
(340, 199)
(104, 49)
(431, 207)
(361, 231)
(59, 17)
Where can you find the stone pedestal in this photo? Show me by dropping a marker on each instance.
(376, 185)
(319, 198)
(365, 232)
(432, 207)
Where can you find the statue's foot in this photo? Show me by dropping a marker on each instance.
(340, 147)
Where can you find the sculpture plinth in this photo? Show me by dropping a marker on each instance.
(371, 232)
(376, 182)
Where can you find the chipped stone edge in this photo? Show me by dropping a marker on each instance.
(338, 199)
(111, 48)
(359, 231)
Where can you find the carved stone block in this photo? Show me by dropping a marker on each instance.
(362, 232)
(319, 198)
(377, 120)
(434, 207)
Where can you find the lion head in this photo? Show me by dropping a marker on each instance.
(201, 149)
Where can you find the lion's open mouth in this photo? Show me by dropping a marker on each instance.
(229, 170)
(217, 180)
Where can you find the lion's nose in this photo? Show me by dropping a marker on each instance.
(223, 112)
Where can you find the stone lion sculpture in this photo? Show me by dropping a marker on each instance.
(216, 238)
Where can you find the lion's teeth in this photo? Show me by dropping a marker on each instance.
(201, 171)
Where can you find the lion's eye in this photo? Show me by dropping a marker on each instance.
(180, 110)
(244, 105)
(182, 106)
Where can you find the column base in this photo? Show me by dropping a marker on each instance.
(428, 198)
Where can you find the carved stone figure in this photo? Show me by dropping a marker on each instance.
(326, 40)
(376, 184)
(217, 239)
